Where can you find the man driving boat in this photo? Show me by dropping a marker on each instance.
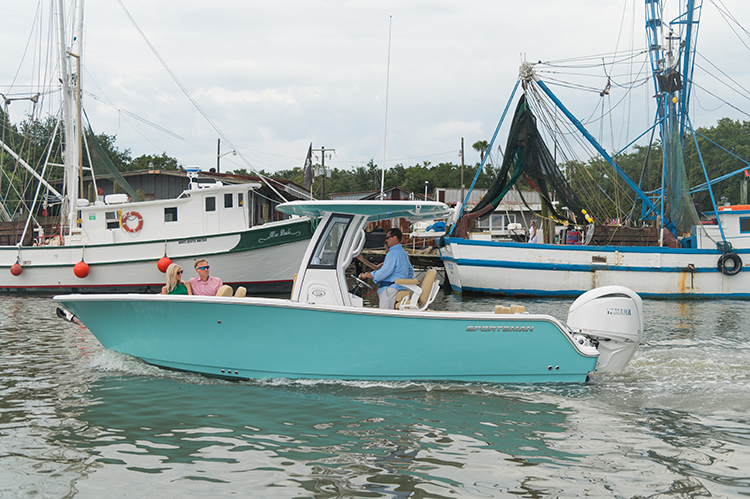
(395, 266)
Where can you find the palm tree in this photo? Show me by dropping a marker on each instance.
(480, 146)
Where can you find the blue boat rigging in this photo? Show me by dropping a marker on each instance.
(671, 52)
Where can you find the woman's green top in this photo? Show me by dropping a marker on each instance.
(180, 289)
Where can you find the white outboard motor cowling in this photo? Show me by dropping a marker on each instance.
(612, 317)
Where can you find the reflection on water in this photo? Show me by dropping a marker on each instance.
(326, 438)
(78, 421)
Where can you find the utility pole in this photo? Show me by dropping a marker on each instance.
(219, 155)
(462, 169)
(322, 152)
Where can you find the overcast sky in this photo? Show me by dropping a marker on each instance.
(276, 76)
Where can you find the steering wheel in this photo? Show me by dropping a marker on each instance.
(360, 281)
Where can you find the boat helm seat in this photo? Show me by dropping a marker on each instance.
(241, 292)
(417, 296)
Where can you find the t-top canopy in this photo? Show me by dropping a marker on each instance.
(412, 210)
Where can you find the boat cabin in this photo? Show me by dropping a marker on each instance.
(735, 223)
(340, 237)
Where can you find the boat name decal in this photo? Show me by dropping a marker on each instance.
(618, 311)
(278, 233)
(199, 240)
(505, 329)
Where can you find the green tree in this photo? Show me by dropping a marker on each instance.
(161, 162)
(733, 139)
(481, 146)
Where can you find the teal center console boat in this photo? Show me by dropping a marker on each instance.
(324, 331)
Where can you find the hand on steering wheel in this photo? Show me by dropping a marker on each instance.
(360, 281)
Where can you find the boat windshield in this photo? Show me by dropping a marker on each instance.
(327, 250)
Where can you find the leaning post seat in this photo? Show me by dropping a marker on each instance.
(405, 293)
(417, 295)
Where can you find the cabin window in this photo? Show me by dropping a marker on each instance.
(210, 203)
(744, 225)
(327, 249)
(113, 220)
(240, 199)
(170, 214)
(228, 200)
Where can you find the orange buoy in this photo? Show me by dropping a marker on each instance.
(81, 269)
(164, 263)
(16, 269)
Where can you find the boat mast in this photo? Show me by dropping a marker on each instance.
(688, 61)
(672, 93)
(70, 112)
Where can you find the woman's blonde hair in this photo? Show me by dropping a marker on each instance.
(172, 278)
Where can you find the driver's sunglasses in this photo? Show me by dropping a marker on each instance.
(205, 267)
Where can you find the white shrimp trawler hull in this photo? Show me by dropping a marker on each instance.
(518, 269)
(133, 266)
(522, 269)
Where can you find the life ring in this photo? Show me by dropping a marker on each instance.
(127, 216)
(733, 268)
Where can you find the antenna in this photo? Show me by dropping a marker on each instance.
(385, 131)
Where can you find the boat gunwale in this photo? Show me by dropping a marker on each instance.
(286, 303)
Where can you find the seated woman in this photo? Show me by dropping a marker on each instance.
(175, 286)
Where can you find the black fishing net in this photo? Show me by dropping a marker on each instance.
(679, 207)
(527, 157)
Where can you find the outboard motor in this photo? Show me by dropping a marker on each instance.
(612, 318)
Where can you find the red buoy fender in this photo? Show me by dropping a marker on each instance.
(81, 269)
(128, 216)
(16, 269)
(163, 264)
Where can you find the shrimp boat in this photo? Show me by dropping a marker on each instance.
(116, 242)
(324, 331)
(671, 251)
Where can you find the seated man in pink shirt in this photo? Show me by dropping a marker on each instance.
(204, 284)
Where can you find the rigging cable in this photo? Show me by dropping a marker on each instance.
(195, 103)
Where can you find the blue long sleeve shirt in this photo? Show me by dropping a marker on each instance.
(395, 266)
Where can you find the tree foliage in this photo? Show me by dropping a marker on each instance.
(724, 149)
(367, 178)
(721, 148)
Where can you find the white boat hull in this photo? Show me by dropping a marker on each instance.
(517, 269)
(237, 258)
